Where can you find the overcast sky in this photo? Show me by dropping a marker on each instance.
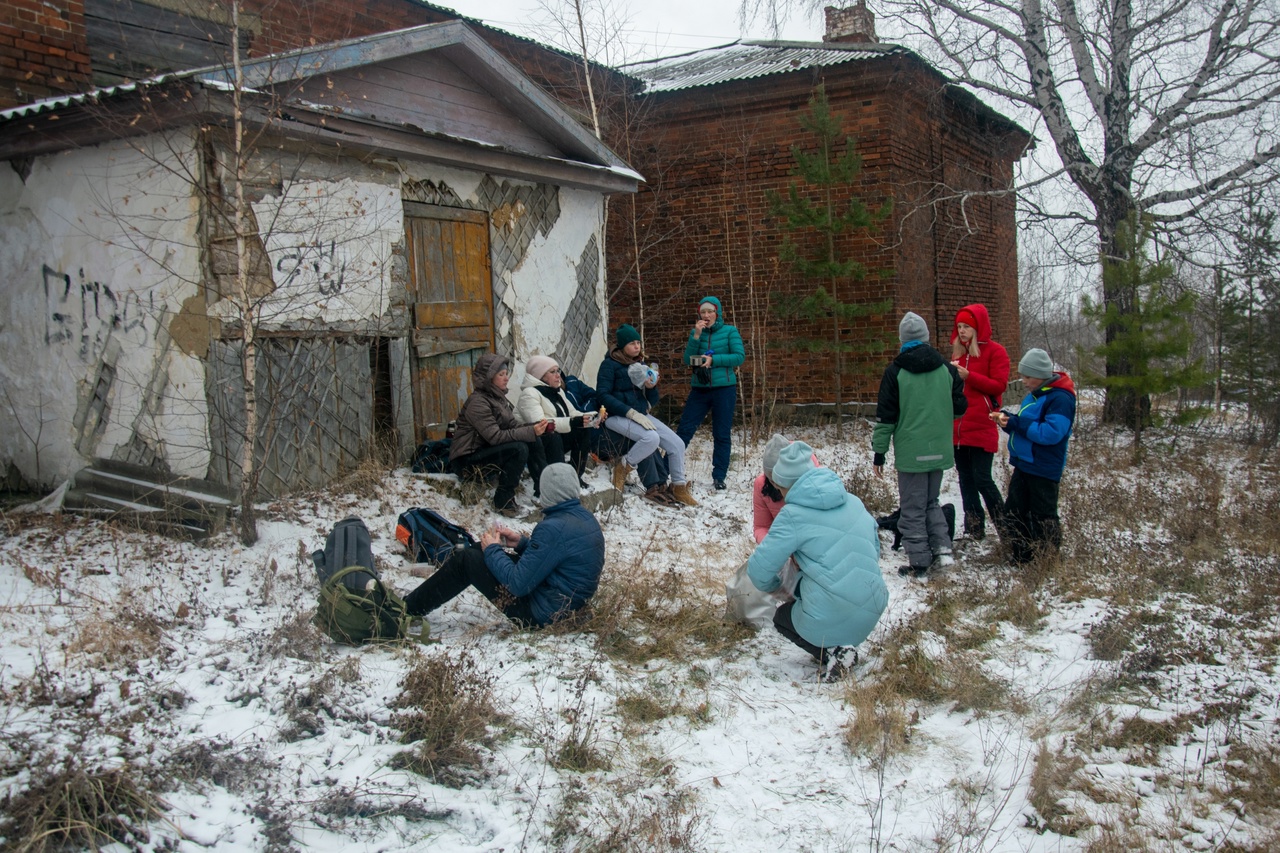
(656, 28)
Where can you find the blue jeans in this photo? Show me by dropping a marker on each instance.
(720, 402)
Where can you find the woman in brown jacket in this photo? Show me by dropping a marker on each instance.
(489, 436)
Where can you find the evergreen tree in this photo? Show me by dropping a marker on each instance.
(820, 209)
(1252, 362)
(1153, 334)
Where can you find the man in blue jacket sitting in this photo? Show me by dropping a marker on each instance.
(554, 572)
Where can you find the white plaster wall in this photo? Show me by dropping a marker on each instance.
(544, 284)
(329, 245)
(97, 251)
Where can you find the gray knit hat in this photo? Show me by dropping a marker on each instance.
(913, 328)
(793, 462)
(559, 483)
(771, 451)
(1036, 364)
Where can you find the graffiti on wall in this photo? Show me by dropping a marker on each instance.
(316, 262)
(90, 312)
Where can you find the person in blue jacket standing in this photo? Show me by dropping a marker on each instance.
(1038, 436)
(553, 573)
(841, 594)
(715, 352)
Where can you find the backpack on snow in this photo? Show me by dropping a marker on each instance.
(429, 537)
(432, 457)
(890, 522)
(355, 607)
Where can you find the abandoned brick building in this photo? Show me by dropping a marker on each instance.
(715, 135)
(710, 131)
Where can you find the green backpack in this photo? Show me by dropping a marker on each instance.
(375, 615)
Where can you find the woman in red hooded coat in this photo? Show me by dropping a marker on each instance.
(983, 364)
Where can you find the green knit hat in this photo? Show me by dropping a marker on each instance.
(626, 334)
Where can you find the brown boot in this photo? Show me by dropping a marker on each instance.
(680, 491)
(620, 471)
(660, 496)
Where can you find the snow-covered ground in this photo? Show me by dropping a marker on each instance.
(195, 664)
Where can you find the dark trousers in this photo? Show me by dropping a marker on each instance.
(463, 568)
(973, 465)
(505, 460)
(551, 448)
(1030, 520)
(720, 402)
(782, 621)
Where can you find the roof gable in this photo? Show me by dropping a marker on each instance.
(437, 91)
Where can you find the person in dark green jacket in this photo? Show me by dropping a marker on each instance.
(715, 352)
(921, 395)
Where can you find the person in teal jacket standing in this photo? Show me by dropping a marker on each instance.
(715, 352)
(841, 594)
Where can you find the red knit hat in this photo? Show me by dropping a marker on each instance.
(966, 316)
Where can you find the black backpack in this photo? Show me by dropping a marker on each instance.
(890, 522)
(355, 607)
(429, 537)
(432, 457)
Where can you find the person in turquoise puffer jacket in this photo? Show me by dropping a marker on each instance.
(841, 593)
(715, 352)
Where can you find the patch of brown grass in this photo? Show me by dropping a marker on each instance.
(445, 709)
(637, 619)
(880, 726)
(128, 636)
(1051, 777)
(73, 805)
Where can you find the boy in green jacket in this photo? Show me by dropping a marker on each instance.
(921, 395)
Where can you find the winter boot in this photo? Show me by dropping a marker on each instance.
(620, 471)
(680, 491)
(836, 663)
(975, 529)
(659, 496)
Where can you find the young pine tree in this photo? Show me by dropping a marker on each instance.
(822, 206)
(1153, 335)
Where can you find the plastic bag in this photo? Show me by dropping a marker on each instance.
(746, 604)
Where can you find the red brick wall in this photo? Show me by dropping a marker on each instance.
(42, 50)
(711, 154)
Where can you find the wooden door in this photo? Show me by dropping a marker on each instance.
(451, 301)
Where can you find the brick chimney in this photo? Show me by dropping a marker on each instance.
(853, 24)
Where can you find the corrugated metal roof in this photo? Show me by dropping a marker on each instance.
(745, 60)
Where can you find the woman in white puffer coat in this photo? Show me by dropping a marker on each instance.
(542, 397)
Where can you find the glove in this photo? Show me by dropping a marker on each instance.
(878, 460)
(640, 419)
(577, 421)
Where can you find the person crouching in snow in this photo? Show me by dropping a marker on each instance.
(841, 593)
(1038, 436)
(554, 572)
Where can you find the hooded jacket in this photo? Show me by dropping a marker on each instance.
(487, 417)
(841, 593)
(987, 380)
(558, 567)
(725, 344)
(1039, 432)
(921, 395)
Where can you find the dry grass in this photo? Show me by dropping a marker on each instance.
(71, 805)
(445, 709)
(129, 635)
(637, 618)
(651, 823)
(880, 726)
(1051, 777)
